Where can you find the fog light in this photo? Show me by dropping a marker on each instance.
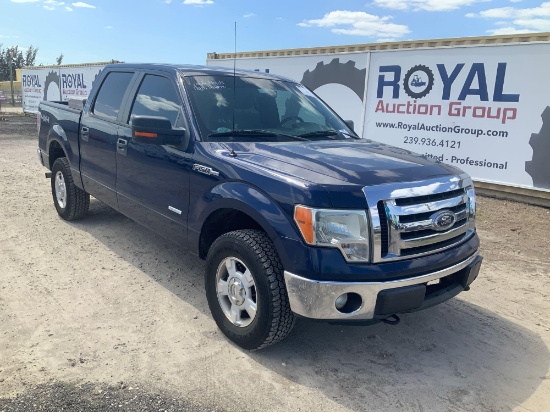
(341, 301)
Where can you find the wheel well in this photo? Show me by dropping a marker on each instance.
(220, 222)
(55, 152)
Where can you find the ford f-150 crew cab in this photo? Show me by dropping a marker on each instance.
(294, 214)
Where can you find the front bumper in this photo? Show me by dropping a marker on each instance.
(378, 300)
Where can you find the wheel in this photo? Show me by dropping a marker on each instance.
(246, 291)
(70, 201)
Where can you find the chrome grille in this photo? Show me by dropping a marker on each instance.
(403, 217)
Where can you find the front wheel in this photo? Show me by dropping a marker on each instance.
(70, 201)
(246, 291)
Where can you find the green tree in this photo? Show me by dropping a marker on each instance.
(15, 57)
(59, 59)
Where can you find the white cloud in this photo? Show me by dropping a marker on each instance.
(83, 5)
(108, 27)
(535, 24)
(167, 1)
(52, 4)
(428, 5)
(247, 15)
(25, 1)
(358, 23)
(384, 40)
(517, 20)
(507, 30)
(198, 3)
(68, 8)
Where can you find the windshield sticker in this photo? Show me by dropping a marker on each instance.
(202, 85)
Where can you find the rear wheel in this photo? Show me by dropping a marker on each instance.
(246, 291)
(70, 201)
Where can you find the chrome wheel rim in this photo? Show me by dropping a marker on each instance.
(60, 190)
(236, 292)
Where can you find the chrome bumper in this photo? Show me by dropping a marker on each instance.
(316, 299)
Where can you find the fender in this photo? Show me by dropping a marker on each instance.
(249, 200)
(57, 134)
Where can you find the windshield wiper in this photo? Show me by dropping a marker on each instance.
(244, 132)
(319, 133)
(254, 133)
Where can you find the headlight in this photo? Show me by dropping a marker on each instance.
(346, 230)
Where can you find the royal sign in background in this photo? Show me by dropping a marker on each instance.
(474, 107)
(57, 84)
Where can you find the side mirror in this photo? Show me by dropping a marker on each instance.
(350, 124)
(156, 130)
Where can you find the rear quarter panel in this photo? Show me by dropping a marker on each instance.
(60, 124)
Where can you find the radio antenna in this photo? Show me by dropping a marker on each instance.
(232, 153)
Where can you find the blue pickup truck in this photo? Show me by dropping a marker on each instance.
(294, 214)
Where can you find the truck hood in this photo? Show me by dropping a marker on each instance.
(353, 162)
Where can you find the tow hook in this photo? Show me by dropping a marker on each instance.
(392, 320)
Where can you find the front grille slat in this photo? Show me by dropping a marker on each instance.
(433, 237)
(429, 198)
(431, 207)
(407, 235)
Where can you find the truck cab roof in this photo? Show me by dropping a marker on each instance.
(197, 70)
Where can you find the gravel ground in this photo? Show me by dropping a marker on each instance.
(101, 314)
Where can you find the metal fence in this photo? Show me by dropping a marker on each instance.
(6, 97)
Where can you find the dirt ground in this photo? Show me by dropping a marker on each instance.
(103, 314)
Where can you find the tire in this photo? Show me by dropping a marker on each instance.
(70, 201)
(257, 264)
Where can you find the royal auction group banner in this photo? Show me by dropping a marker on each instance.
(57, 84)
(482, 109)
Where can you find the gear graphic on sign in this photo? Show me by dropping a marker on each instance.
(418, 82)
(52, 77)
(335, 72)
(539, 166)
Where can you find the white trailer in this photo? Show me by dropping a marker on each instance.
(481, 104)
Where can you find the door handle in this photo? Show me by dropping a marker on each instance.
(85, 133)
(122, 146)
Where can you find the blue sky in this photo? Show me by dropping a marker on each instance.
(183, 31)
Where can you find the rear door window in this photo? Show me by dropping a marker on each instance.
(110, 96)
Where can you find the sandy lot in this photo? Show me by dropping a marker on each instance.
(102, 314)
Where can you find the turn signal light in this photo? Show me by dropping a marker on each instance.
(303, 218)
(146, 134)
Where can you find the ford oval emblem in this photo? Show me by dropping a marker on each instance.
(443, 220)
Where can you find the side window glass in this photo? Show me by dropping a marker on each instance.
(109, 98)
(157, 96)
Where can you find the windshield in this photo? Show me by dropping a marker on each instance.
(246, 109)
